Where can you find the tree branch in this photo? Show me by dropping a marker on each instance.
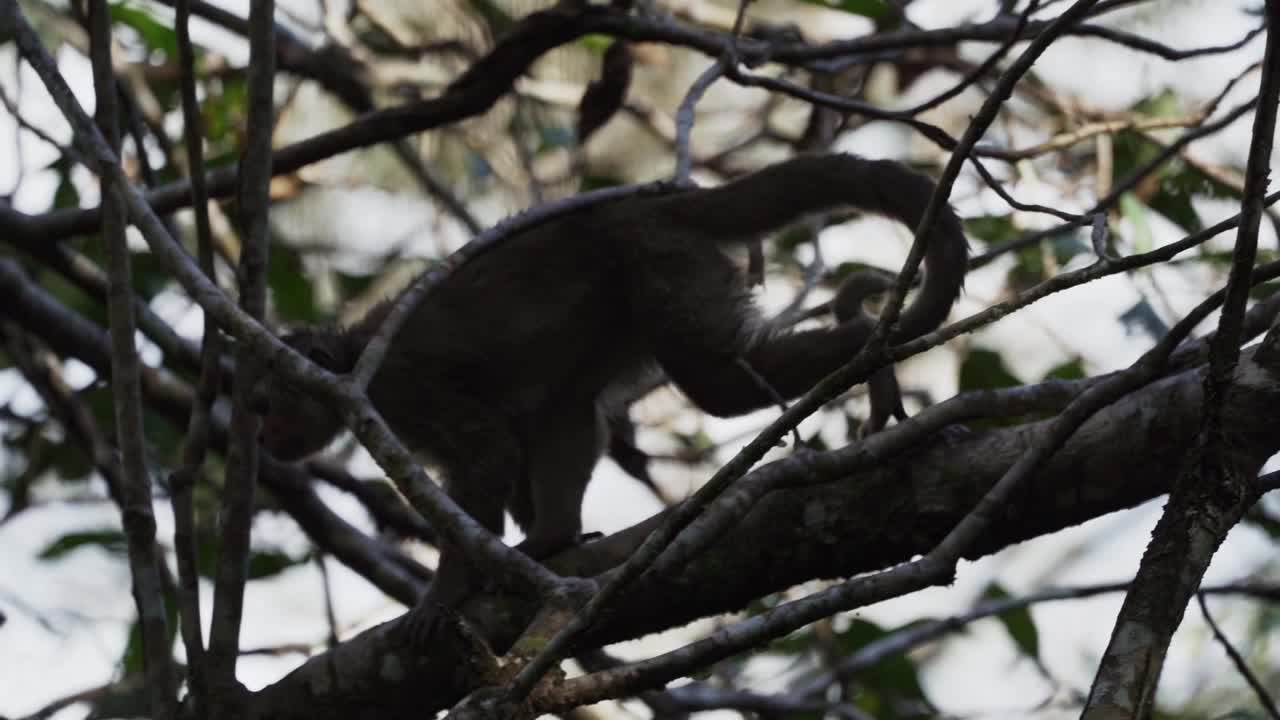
(135, 478)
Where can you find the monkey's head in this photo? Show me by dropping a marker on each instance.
(296, 424)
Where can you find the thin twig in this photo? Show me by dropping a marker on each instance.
(236, 517)
(196, 441)
(1267, 702)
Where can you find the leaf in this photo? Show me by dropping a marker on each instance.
(290, 288)
(1163, 104)
(1028, 269)
(985, 369)
(1260, 291)
(1017, 622)
(69, 462)
(1135, 212)
(266, 563)
(154, 34)
(1070, 370)
(495, 15)
(596, 43)
(221, 111)
(1170, 189)
(884, 686)
(149, 275)
(66, 196)
(991, 229)
(1265, 523)
(262, 563)
(111, 540)
(874, 9)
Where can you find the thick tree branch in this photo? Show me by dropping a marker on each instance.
(865, 521)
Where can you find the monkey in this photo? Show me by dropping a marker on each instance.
(505, 372)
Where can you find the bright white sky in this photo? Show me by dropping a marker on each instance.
(72, 615)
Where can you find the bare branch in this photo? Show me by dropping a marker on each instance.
(196, 441)
(236, 517)
(1217, 485)
(135, 479)
(1267, 702)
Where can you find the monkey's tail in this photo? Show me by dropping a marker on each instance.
(775, 196)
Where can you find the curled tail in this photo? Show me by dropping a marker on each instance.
(775, 196)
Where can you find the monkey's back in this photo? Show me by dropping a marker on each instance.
(543, 315)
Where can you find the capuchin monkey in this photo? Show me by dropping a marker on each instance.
(505, 372)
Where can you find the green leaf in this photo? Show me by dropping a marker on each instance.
(1173, 186)
(793, 237)
(1018, 623)
(290, 288)
(149, 275)
(991, 228)
(1163, 104)
(69, 462)
(985, 369)
(156, 35)
(66, 195)
(887, 685)
(1268, 525)
(1134, 211)
(222, 111)
(1028, 269)
(71, 296)
(1070, 370)
(496, 16)
(266, 563)
(597, 182)
(596, 43)
(874, 9)
(113, 541)
(1260, 291)
(262, 563)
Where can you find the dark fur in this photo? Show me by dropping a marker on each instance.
(503, 374)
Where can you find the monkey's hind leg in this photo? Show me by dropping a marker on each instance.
(481, 455)
(562, 443)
